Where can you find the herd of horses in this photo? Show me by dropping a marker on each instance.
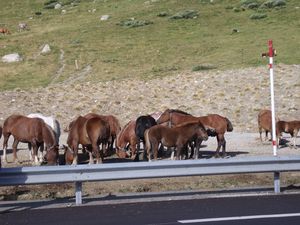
(265, 123)
(101, 135)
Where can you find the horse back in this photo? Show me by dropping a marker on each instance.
(216, 122)
(77, 133)
(97, 128)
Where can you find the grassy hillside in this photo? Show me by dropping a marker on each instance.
(165, 46)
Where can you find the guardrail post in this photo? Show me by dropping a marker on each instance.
(78, 193)
(277, 182)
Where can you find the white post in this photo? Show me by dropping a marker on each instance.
(78, 193)
(272, 97)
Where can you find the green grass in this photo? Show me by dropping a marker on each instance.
(163, 47)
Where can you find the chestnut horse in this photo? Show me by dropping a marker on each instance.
(114, 126)
(33, 131)
(125, 137)
(4, 31)
(291, 127)
(90, 133)
(214, 124)
(178, 137)
(51, 122)
(264, 120)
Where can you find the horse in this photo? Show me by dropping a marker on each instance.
(50, 121)
(22, 27)
(143, 123)
(0, 132)
(4, 31)
(291, 127)
(178, 137)
(114, 126)
(90, 133)
(215, 125)
(264, 120)
(30, 130)
(125, 137)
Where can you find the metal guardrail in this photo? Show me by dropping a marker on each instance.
(144, 170)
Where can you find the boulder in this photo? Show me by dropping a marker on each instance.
(104, 17)
(14, 57)
(45, 49)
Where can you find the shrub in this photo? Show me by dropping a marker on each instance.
(203, 67)
(273, 3)
(134, 23)
(162, 14)
(258, 16)
(187, 14)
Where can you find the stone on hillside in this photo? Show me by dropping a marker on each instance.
(104, 17)
(46, 49)
(14, 57)
(57, 6)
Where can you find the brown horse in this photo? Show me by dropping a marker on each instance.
(214, 124)
(177, 137)
(90, 133)
(114, 126)
(290, 127)
(33, 131)
(264, 120)
(125, 137)
(4, 31)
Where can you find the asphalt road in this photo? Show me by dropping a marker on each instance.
(263, 209)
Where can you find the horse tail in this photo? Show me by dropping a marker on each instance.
(229, 125)
(147, 142)
(57, 130)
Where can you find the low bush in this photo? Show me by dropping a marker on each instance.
(258, 16)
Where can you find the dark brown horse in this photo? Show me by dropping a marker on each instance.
(125, 137)
(90, 133)
(178, 137)
(264, 120)
(215, 125)
(290, 127)
(33, 131)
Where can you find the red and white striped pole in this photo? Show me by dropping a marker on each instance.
(271, 54)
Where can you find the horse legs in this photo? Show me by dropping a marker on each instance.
(35, 149)
(98, 154)
(15, 145)
(74, 148)
(6, 137)
(221, 143)
(40, 152)
(260, 132)
(198, 144)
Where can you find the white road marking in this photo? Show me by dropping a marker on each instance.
(240, 218)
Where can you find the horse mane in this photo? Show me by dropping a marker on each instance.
(51, 132)
(178, 111)
(189, 123)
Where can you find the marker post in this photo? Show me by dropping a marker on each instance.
(271, 55)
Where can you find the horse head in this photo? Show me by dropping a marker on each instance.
(52, 156)
(68, 155)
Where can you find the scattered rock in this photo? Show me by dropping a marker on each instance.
(104, 17)
(46, 49)
(57, 6)
(10, 58)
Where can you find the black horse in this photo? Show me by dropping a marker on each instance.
(142, 124)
